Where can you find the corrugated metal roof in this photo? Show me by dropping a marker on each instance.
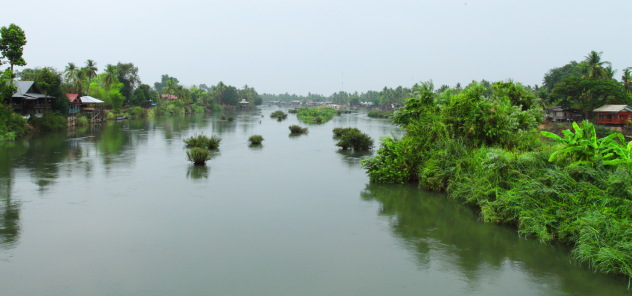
(613, 108)
(90, 100)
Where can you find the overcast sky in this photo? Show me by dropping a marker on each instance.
(324, 46)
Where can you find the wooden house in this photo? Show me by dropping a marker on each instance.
(28, 100)
(74, 105)
(563, 114)
(613, 114)
(92, 108)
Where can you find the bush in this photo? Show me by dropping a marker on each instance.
(255, 139)
(12, 125)
(318, 114)
(198, 155)
(82, 120)
(295, 129)
(380, 114)
(136, 111)
(279, 115)
(355, 139)
(49, 122)
(202, 141)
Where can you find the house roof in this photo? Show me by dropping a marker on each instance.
(243, 101)
(73, 98)
(28, 91)
(170, 97)
(90, 100)
(613, 108)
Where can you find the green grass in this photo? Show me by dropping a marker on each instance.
(198, 155)
(295, 129)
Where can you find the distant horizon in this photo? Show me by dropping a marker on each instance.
(326, 46)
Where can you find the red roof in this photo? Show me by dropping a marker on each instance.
(170, 97)
(73, 97)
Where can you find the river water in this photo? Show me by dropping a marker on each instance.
(118, 210)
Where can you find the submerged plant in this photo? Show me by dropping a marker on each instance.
(198, 155)
(203, 141)
(279, 115)
(255, 139)
(295, 129)
(353, 138)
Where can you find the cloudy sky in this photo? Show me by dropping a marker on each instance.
(324, 46)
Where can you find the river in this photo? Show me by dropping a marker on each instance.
(118, 210)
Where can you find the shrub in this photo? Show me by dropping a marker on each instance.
(49, 122)
(318, 114)
(279, 115)
(255, 139)
(136, 111)
(380, 114)
(82, 120)
(295, 129)
(355, 139)
(202, 141)
(198, 155)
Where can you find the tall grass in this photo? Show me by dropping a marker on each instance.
(203, 141)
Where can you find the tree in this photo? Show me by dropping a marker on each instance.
(12, 41)
(110, 76)
(225, 94)
(594, 67)
(588, 94)
(626, 80)
(158, 86)
(143, 95)
(127, 74)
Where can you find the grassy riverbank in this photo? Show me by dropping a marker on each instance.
(487, 151)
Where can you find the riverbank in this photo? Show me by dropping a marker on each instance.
(488, 152)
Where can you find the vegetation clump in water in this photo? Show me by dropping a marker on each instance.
(296, 130)
(198, 155)
(352, 138)
(202, 141)
(318, 114)
(255, 140)
(279, 115)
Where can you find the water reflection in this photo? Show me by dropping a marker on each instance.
(197, 172)
(439, 230)
(352, 158)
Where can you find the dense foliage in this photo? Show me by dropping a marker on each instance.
(320, 114)
(352, 138)
(486, 150)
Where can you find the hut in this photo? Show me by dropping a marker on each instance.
(563, 114)
(74, 108)
(92, 108)
(613, 114)
(243, 104)
(28, 99)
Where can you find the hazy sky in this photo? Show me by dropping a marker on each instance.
(324, 46)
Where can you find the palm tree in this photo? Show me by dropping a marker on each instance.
(626, 79)
(593, 67)
(111, 73)
(70, 72)
(92, 69)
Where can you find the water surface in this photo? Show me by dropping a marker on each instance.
(117, 210)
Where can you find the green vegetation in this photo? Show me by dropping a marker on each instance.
(380, 114)
(12, 41)
(202, 141)
(295, 129)
(82, 120)
(279, 115)
(480, 144)
(255, 140)
(320, 114)
(198, 155)
(50, 121)
(352, 138)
